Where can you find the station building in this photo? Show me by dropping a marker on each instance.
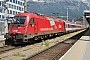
(14, 7)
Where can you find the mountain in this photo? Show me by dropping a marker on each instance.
(58, 9)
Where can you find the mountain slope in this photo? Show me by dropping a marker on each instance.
(75, 8)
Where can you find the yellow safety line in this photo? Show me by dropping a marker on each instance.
(75, 57)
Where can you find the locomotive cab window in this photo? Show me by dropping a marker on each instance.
(31, 21)
(18, 20)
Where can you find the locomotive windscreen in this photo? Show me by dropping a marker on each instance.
(18, 20)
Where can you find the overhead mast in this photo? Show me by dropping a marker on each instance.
(25, 6)
(5, 15)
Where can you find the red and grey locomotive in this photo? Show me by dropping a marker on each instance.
(27, 25)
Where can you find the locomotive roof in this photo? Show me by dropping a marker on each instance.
(38, 14)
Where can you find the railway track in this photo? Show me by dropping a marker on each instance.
(28, 50)
(56, 51)
(7, 48)
(4, 49)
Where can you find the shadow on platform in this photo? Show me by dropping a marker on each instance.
(87, 33)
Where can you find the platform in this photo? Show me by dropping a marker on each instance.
(80, 50)
(2, 40)
(2, 37)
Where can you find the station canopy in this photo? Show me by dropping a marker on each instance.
(87, 15)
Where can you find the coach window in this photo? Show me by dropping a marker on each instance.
(31, 21)
(66, 25)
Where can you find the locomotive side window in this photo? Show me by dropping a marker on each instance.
(31, 20)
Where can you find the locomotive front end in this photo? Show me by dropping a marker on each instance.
(17, 30)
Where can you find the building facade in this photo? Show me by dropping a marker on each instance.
(14, 7)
